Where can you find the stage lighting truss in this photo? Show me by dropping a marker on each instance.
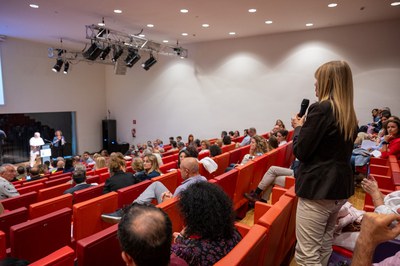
(105, 43)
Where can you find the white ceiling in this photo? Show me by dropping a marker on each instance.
(66, 19)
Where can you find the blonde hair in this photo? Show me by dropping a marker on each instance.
(137, 164)
(261, 144)
(100, 162)
(335, 84)
(154, 163)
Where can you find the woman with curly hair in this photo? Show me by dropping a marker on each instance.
(258, 146)
(209, 232)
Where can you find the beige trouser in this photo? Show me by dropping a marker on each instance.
(315, 224)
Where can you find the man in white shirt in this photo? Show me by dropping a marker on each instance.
(7, 189)
(35, 143)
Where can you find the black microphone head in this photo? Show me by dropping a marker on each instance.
(303, 108)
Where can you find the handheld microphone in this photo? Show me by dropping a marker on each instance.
(303, 107)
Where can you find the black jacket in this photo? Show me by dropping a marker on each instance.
(119, 180)
(325, 171)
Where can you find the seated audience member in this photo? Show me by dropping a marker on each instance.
(231, 134)
(69, 167)
(150, 168)
(7, 189)
(145, 236)
(190, 140)
(104, 153)
(223, 134)
(137, 165)
(79, 177)
(43, 170)
(226, 140)
(181, 145)
(246, 141)
(391, 142)
(189, 173)
(272, 143)
(375, 229)
(236, 134)
(21, 171)
(258, 146)
(118, 177)
(60, 165)
(197, 143)
(100, 162)
(215, 150)
(209, 233)
(86, 159)
(219, 143)
(34, 174)
(174, 145)
(205, 146)
(281, 135)
(178, 139)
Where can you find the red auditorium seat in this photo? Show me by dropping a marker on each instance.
(64, 256)
(2, 245)
(20, 201)
(34, 182)
(48, 206)
(245, 174)
(236, 155)
(222, 161)
(227, 182)
(128, 194)
(249, 251)
(27, 189)
(228, 148)
(51, 192)
(170, 180)
(168, 166)
(58, 181)
(101, 171)
(204, 154)
(171, 208)
(101, 248)
(103, 177)
(35, 239)
(88, 193)
(11, 218)
(60, 175)
(170, 158)
(87, 215)
(93, 179)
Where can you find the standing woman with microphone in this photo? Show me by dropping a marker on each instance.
(323, 143)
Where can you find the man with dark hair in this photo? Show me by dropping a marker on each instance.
(34, 174)
(21, 171)
(79, 177)
(246, 141)
(145, 235)
(86, 158)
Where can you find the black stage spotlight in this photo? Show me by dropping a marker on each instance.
(117, 53)
(93, 52)
(58, 65)
(132, 57)
(66, 67)
(105, 53)
(149, 62)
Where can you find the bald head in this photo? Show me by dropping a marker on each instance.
(190, 165)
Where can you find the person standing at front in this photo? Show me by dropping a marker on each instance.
(323, 143)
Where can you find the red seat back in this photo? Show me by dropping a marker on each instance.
(101, 248)
(228, 148)
(223, 162)
(3, 246)
(170, 158)
(27, 189)
(171, 208)
(228, 182)
(39, 237)
(101, 171)
(93, 179)
(88, 193)
(64, 256)
(128, 194)
(87, 215)
(11, 218)
(20, 201)
(167, 166)
(169, 180)
(58, 181)
(103, 177)
(51, 192)
(245, 175)
(249, 251)
(48, 206)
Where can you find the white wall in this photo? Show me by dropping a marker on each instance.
(239, 83)
(30, 86)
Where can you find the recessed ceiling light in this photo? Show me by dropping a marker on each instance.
(185, 34)
(142, 35)
(184, 10)
(118, 11)
(232, 33)
(332, 5)
(309, 24)
(165, 41)
(205, 25)
(150, 25)
(395, 4)
(268, 22)
(252, 10)
(34, 6)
